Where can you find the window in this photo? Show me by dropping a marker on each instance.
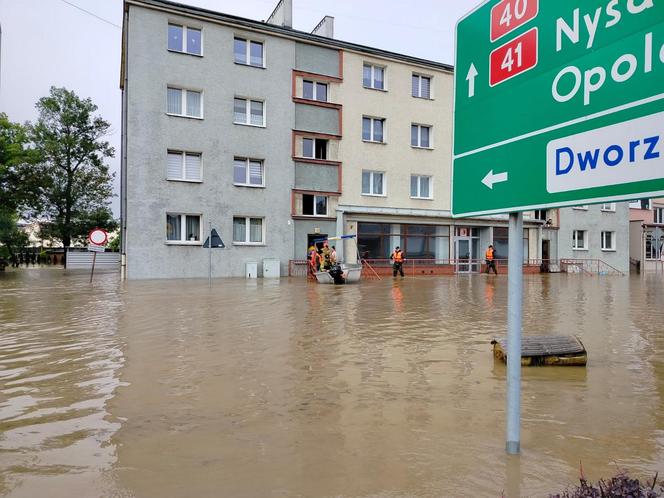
(184, 166)
(314, 148)
(183, 228)
(372, 129)
(378, 240)
(654, 244)
(373, 77)
(421, 86)
(579, 239)
(249, 52)
(420, 136)
(188, 103)
(540, 214)
(610, 206)
(314, 205)
(420, 187)
(248, 172)
(608, 241)
(184, 39)
(583, 207)
(248, 230)
(249, 112)
(658, 215)
(373, 183)
(501, 243)
(313, 90)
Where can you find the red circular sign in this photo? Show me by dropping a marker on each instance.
(98, 236)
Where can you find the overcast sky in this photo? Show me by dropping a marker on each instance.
(56, 42)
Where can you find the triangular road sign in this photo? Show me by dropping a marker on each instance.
(216, 241)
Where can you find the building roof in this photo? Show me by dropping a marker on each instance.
(211, 15)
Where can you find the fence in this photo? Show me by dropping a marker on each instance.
(432, 267)
(82, 260)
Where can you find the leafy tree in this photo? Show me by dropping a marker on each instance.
(77, 186)
(12, 238)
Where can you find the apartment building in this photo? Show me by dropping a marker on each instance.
(646, 234)
(595, 232)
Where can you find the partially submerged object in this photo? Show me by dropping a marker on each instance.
(560, 350)
(351, 275)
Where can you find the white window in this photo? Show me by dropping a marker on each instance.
(420, 136)
(579, 239)
(373, 183)
(183, 166)
(372, 129)
(184, 39)
(610, 206)
(373, 77)
(420, 187)
(421, 86)
(313, 90)
(658, 215)
(583, 207)
(188, 103)
(248, 172)
(314, 148)
(249, 112)
(314, 205)
(248, 230)
(183, 228)
(608, 241)
(249, 52)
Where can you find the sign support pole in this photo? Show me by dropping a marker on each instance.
(210, 255)
(514, 304)
(94, 260)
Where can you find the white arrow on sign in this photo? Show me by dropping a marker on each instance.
(490, 179)
(470, 78)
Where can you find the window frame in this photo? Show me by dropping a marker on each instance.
(315, 140)
(372, 183)
(419, 86)
(419, 136)
(658, 213)
(184, 154)
(247, 176)
(612, 248)
(247, 51)
(610, 209)
(315, 84)
(183, 101)
(575, 240)
(247, 109)
(316, 214)
(373, 77)
(582, 207)
(247, 240)
(183, 229)
(372, 120)
(185, 42)
(419, 187)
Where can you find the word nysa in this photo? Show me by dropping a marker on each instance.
(582, 30)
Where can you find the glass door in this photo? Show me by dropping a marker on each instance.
(463, 256)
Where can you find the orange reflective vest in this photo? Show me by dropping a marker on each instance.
(489, 254)
(397, 256)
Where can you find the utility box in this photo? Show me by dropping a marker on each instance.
(271, 268)
(251, 270)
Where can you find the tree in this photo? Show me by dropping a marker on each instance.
(77, 186)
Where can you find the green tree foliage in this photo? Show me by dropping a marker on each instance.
(76, 183)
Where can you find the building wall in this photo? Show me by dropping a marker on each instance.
(594, 221)
(396, 157)
(151, 132)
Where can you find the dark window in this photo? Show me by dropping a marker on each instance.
(321, 149)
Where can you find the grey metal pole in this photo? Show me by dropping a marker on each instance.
(210, 255)
(514, 302)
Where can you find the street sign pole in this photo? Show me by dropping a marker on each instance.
(514, 305)
(210, 255)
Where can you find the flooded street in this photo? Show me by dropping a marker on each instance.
(292, 389)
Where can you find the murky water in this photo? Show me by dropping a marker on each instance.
(292, 389)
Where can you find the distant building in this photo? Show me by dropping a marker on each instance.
(647, 234)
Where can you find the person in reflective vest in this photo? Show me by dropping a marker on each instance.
(397, 258)
(490, 262)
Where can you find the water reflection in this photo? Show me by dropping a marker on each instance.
(288, 388)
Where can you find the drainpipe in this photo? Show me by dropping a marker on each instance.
(340, 231)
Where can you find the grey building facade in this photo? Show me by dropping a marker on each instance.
(595, 232)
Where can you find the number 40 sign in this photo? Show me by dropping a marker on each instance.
(517, 55)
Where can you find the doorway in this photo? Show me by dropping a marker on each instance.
(546, 255)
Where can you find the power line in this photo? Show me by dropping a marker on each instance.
(91, 14)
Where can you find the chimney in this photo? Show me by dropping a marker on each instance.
(325, 27)
(282, 15)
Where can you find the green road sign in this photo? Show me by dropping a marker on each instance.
(558, 103)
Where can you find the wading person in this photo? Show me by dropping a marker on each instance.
(397, 258)
(490, 262)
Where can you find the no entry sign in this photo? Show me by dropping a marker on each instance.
(98, 236)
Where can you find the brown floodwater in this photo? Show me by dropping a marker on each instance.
(292, 389)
